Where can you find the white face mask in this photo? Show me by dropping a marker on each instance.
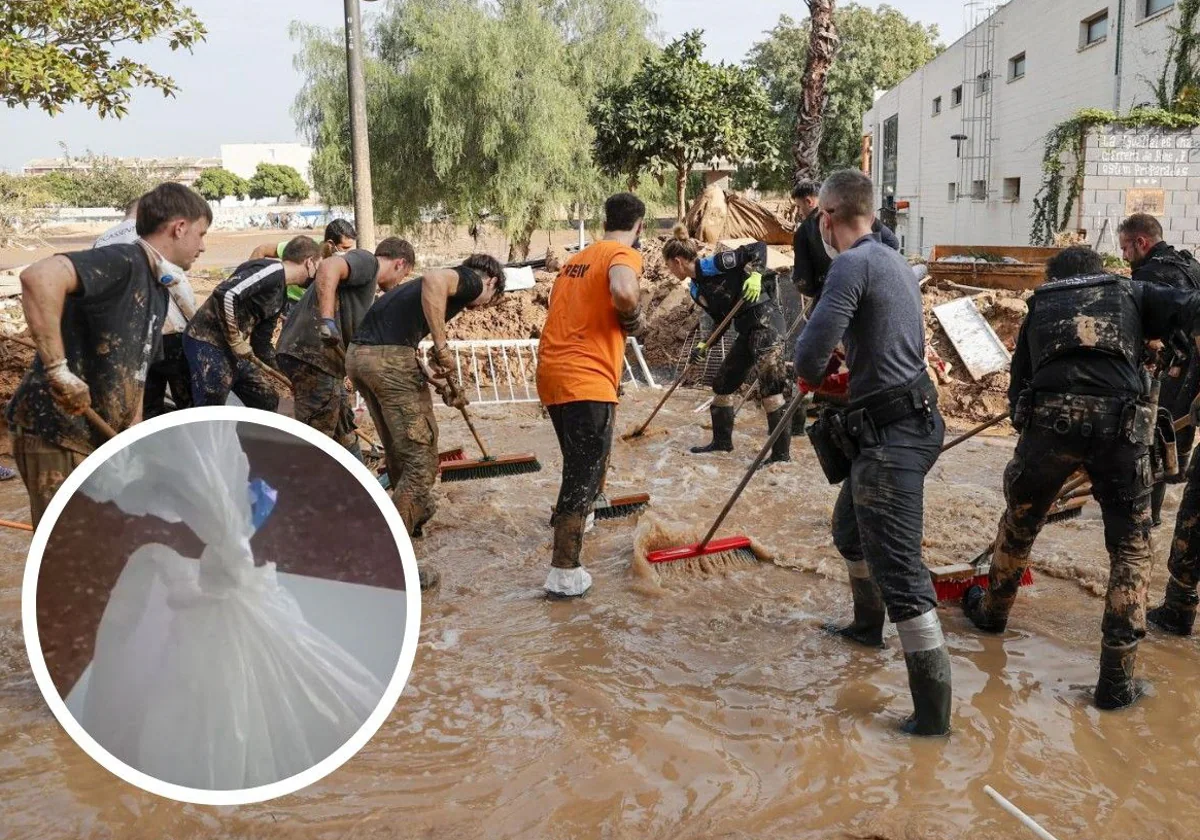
(831, 251)
(168, 273)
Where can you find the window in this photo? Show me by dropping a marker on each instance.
(978, 190)
(983, 83)
(952, 192)
(1012, 189)
(1016, 67)
(1153, 7)
(937, 105)
(1095, 28)
(956, 97)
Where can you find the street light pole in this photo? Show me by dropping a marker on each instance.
(360, 150)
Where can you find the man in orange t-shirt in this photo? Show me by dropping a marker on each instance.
(595, 304)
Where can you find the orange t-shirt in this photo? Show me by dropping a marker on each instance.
(581, 353)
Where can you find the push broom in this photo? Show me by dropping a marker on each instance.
(712, 339)
(735, 550)
(621, 506)
(488, 466)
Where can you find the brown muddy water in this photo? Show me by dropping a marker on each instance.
(712, 708)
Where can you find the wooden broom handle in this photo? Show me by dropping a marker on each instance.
(475, 434)
(982, 427)
(98, 422)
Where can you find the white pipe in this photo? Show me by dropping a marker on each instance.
(1019, 814)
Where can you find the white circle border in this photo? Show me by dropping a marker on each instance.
(198, 796)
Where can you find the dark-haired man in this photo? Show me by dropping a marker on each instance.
(237, 324)
(96, 317)
(1081, 399)
(312, 346)
(812, 255)
(872, 301)
(595, 303)
(385, 367)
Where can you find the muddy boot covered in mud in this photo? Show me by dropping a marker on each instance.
(1157, 496)
(928, 664)
(869, 615)
(568, 578)
(1177, 613)
(988, 609)
(722, 428)
(781, 452)
(1117, 687)
(429, 578)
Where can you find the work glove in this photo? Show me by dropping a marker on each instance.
(443, 360)
(752, 288)
(633, 323)
(699, 353)
(329, 332)
(451, 396)
(68, 390)
(240, 347)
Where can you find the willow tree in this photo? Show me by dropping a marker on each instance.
(474, 110)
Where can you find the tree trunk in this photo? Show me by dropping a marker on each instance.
(518, 248)
(822, 43)
(681, 182)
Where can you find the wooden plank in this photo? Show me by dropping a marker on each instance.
(973, 337)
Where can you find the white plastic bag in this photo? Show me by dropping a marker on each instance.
(205, 672)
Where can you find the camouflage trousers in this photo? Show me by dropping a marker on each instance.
(1184, 563)
(1121, 478)
(321, 401)
(397, 395)
(43, 467)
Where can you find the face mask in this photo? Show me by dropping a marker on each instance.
(168, 273)
(831, 251)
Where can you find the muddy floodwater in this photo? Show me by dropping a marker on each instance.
(703, 709)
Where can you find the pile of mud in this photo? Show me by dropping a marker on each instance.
(15, 358)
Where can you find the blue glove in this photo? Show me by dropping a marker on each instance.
(329, 332)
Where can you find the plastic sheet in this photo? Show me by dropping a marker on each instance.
(206, 673)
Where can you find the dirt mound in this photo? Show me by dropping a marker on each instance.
(718, 215)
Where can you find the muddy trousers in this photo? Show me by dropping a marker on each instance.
(43, 467)
(397, 395)
(878, 522)
(584, 430)
(321, 401)
(1121, 478)
(216, 372)
(1177, 614)
(169, 372)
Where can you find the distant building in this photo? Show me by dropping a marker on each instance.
(243, 158)
(956, 149)
(185, 170)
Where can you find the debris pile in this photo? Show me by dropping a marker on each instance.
(718, 215)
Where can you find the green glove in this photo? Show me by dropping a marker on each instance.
(752, 288)
(698, 353)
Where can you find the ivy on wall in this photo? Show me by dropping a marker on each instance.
(1051, 209)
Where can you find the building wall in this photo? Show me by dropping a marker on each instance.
(243, 158)
(1061, 76)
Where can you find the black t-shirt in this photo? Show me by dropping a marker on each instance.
(355, 295)
(249, 302)
(112, 332)
(398, 317)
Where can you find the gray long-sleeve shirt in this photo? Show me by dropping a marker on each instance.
(871, 301)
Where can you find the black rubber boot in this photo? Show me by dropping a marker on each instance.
(973, 609)
(1117, 687)
(781, 452)
(722, 423)
(867, 627)
(429, 578)
(799, 422)
(1157, 496)
(1177, 614)
(929, 682)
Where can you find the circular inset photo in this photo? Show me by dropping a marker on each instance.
(221, 605)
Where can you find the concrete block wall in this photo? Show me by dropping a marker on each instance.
(1163, 163)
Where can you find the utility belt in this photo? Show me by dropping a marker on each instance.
(836, 432)
(1099, 417)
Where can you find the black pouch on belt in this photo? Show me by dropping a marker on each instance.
(1020, 415)
(832, 445)
(1164, 453)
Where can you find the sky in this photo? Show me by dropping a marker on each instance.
(238, 86)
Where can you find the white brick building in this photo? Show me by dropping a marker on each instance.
(999, 90)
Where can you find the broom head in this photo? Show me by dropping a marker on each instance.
(622, 506)
(1064, 511)
(499, 467)
(452, 455)
(736, 547)
(950, 583)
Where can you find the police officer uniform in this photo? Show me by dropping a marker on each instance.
(720, 282)
(1081, 398)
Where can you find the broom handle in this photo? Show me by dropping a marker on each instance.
(478, 439)
(20, 526)
(98, 422)
(785, 425)
(982, 427)
(802, 317)
(716, 334)
(270, 372)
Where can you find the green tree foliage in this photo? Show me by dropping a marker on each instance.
(216, 184)
(101, 181)
(476, 109)
(275, 180)
(877, 49)
(24, 207)
(679, 111)
(56, 52)
(1178, 86)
